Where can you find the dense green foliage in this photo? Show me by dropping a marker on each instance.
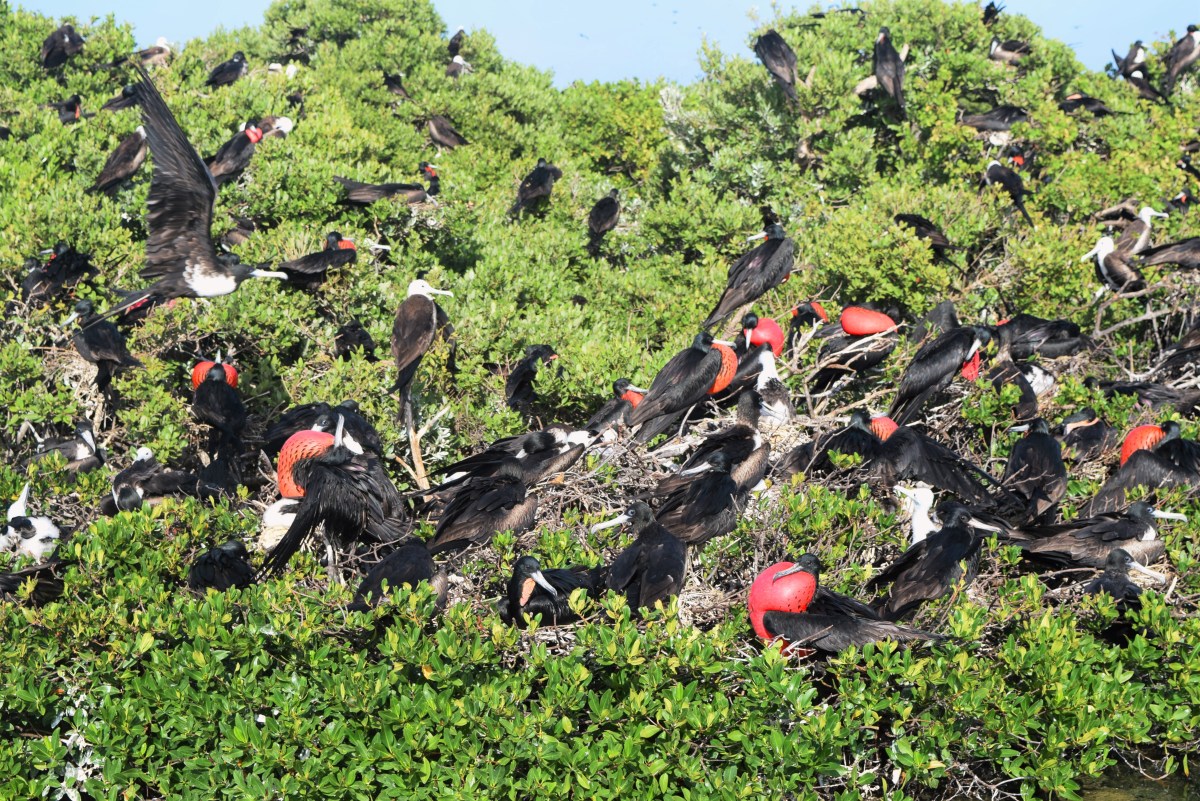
(131, 687)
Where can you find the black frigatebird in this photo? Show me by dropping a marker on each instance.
(126, 98)
(1138, 80)
(888, 68)
(223, 568)
(24, 534)
(934, 366)
(364, 194)
(686, 379)
(69, 111)
(652, 568)
(1087, 541)
(410, 564)
(485, 506)
(146, 481)
(931, 568)
(1001, 118)
(862, 339)
(924, 228)
(123, 162)
(308, 272)
(1093, 105)
(1151, 456)
(227, 72)
(80, 450)
(786, 601)
(518, 387)
(308, 415)
(703, 506)
(351, 337)
(1028, 336)
(419, 319)
(997, 173)
(65, 268)
(1115, 581)
(443, 133)
(47, 586)
(532, 592)
(1035, 473)
(217, 404)
(1184, 253)
(1135, 59)
(61, 45)
(1085, 437)
(991, 12)
(536, 186)
(603, 218)
(456, 42)
(1135, 237)
(615, 412)
(1182, 55)
(765, 267)
(540, 454)
(101, 343)
(779, 59)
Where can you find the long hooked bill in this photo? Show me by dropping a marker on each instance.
(905, 491)
(619, 520)
(74, 316)
(1090, 253)
(759, 235)
(724, 342)
(632, 388)
(20, 506)
(979, 524)
(700, 468)
(796, 568)
(433, 291)
(268, 274)
(1139, 567)
(545, 585)
(1021, 429)
(1168, 515)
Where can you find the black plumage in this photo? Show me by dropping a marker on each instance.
(483, 507)
(1139, 80)
(652, 568)
(456, 42)
(309, 272)
(843, 355)
(1035, 474)
(65, 268)
(1093, 105)
(351, 337)
(47, 584)
(223, 568)
(364, 194)
(126, 98)
(1085, 437)
(615, 412)
(1088, 541)
(703, 506)
(1008, 51)
(227, 72)
(1115, 269)
(419, 320)
(536, 187)
(234, 156)
(518, 387)
(443, 133)
(1184, 253)
(924, 228)
(765, 267)
(532, 592)
(123, 162)
(1115, 581)
(682, 382)
(218, 405)
(603, 218)
(539, 454)
(934, 367)
(147, 481)
(60, 46)
(888, 68)
(736, 442)
(1030, 336)
(410, 564)
(70, 111)
(1000, 118)
(1011, 182)
(1182, 55)
(779, 59)
(356, 428)
(100, 342)
(80, 449)
(1134, 60)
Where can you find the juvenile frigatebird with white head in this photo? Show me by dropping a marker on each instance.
(1114, 269)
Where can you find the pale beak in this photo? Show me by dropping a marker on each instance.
(1021, 429)
(440, 292)
(759, 235)
(74, 316)
(1139, 567)
(979, 524)
(1089, 254)
(724, 342)
(907, 493)
(619, 520)
(796, 568)
(632, 388)
(700, 468)
(268, 274)
(1158, 214)
(545, 585)
(1168, 515)
(45, 252)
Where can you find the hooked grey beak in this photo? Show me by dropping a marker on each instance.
(89, 439)
(1158, 214)
(700, 468)
(433, 291)
(74, 316)
(793, 569)
(545, 585)
(1090, 253)
(337, 433)
(619, 520)
(759, 235)
(1168, 515)
(638, 389)
(268, 274)
(1139, 567)
(979, 524)
(45, 252)
(724, 342)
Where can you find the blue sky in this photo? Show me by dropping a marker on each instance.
(638, 38)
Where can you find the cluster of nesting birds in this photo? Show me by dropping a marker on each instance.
(335, 494)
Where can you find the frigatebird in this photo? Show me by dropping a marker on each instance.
(934, 367)
(419, 320)
(100, 342)
(1184, 253)
(765, 267)
(1138, 80)
(216, 403)
(1028, 336)
(457, 67)
(862, 339)
(1009, 51)
(931, 568)
(223, 568)
(126, 98)
(806, 320)
(615, 412)
(61, 45)
(1085, 437)
(888, 68)
(1115, 581)
(701, 506)
(308, 272)
(1001, 118)
(69, 111)
(338, 484)
(518, 387)
(991, 12)
(1154, 457)
(924, 228)
(80, 450)
(652, 568)
(179, 251)
(146, 481)
(394, 83)
(1182, 55)
(408, 565)
(1035, 473)
(917, 502)
(787, 601)
(603, 218)
(364, 194)
(779, 59)
(1136, 234)
(485, 506)
(736, 442)
(997, 173)
(47, 586)
(1185, 401)
(686, 379)
(1114, 269)
(1087, 541)
(123, 162)
(1134, 60)
(351, 337)
(443, 133)
(65, 268)
(532, 592)
(1094, 105)
(456, 42)
(229, 71)
(24, 534)
(309, 415)
(539, 454)
(536, 186)
(157, 55)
